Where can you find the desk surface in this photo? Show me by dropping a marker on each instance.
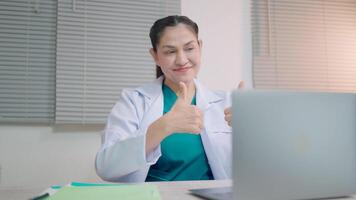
(176, 190)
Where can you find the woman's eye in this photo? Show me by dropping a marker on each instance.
(169, 52)
(190, 49)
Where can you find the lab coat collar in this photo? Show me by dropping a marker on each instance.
(151, 90)
(205, 97)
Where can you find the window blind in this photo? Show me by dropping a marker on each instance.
(102, 47)
(27, 60)
(304, 44)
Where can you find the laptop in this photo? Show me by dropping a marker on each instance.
(291, 145)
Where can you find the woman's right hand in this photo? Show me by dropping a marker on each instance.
(184, 117)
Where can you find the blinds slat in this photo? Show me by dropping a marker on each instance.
(304, 44)
(27, 60)
(102, 48)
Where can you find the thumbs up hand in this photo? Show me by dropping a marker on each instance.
(228, 111)
(182, 95)
(183, 116)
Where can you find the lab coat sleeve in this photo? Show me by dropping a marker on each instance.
(228, 99)
(123, 149)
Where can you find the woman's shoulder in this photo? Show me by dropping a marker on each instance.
(223, 98)
(148, 90)
(212, 95)
(221, 93)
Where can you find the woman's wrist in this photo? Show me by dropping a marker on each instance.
(156, 132)
(165, 125)
(160, 128)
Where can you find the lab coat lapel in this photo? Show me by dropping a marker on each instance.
(205, 99)
(153, 101)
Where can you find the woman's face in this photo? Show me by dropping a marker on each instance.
(178, 54)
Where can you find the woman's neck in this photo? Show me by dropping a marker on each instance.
(175, 87)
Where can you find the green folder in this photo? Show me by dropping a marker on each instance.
(127, 192)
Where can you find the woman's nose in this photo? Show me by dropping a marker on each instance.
(181, 59)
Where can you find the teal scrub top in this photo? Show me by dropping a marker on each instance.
(183, 156)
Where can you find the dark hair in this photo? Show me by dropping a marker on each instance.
(160, 25)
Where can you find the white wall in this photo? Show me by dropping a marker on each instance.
(37, 155)
(225, 31)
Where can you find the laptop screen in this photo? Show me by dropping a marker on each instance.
(293, 145)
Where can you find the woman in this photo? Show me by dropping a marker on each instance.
(173, 128)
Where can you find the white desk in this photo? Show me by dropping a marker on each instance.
(176, 190)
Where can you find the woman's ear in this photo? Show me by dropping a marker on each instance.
(154, 55)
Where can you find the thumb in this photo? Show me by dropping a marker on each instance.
(241, 85)
(182, 93)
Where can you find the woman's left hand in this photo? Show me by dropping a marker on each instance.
(228, 115)
(227, 111)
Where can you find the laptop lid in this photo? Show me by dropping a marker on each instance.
(293, 145)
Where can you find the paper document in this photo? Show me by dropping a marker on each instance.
(127, 192)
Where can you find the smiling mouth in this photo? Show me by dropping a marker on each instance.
(182, 69)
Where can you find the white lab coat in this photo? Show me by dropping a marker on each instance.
(122, 156)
